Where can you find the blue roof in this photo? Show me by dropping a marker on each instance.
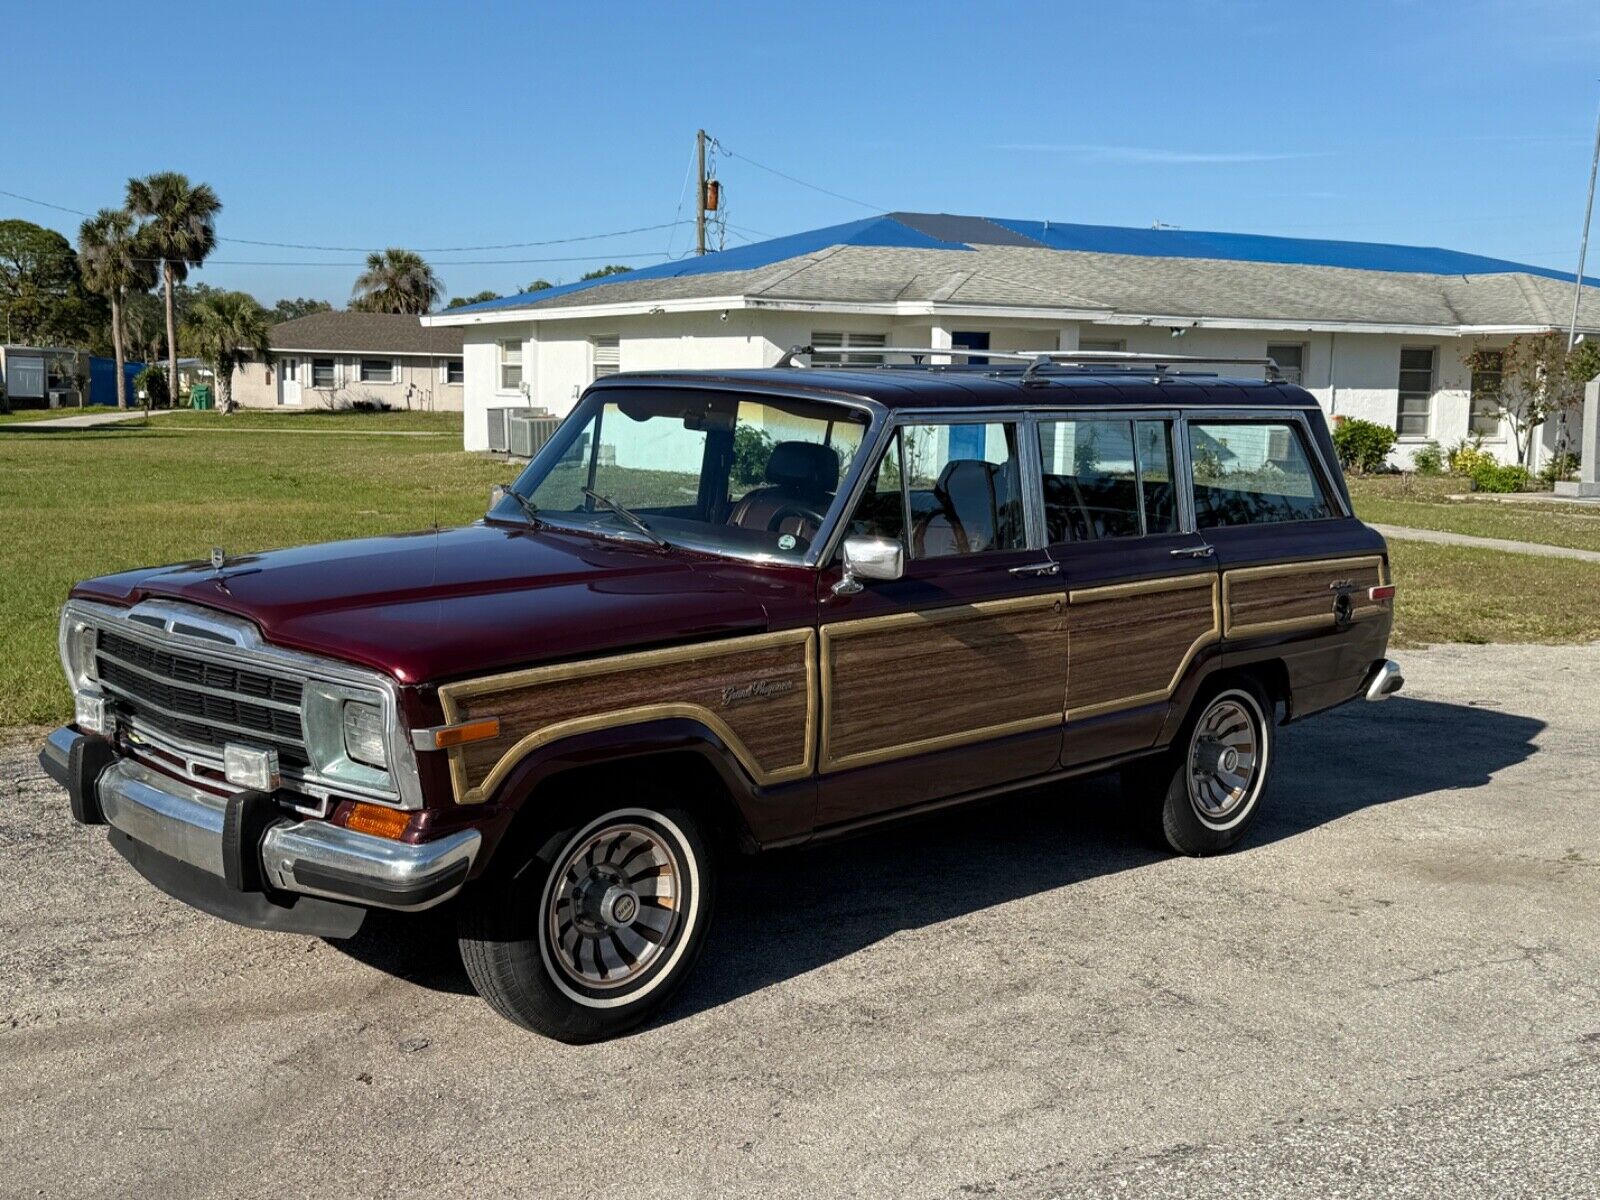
(943, 231)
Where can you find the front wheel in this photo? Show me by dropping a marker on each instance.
(1211, 780)
(583, 933)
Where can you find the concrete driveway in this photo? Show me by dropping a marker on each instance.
(1393, 989)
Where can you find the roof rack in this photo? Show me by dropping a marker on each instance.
(1038, 360)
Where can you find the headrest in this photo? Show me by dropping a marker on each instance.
(967, 478)
(804, 466)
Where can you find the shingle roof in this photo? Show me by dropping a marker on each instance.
(976, 261)
(358, 332)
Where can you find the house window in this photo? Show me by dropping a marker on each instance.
(377, 370)
(454, 371)
(1486, 382)
(1416, 391)
(322, 373)
(511, 366)
(1102, 345)
(823, 342)
(607, 356)
(1291, 360)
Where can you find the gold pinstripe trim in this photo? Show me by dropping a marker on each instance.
(843, 630)
(452, 694)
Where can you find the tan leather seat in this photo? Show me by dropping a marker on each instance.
(799, 475)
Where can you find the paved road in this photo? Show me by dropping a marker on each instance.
(1442, 538)
(1393, 990)
(85, 421)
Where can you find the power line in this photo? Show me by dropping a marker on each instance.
(877, 208)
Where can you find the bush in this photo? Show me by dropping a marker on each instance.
(751, 449)
(1562, 466)
(1492, 477)
(1429, 460)
(152, 381)
(1362, 446)
(1465, 457)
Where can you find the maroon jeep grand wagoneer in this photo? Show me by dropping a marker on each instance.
(730, 611)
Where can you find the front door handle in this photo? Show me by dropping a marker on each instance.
(1193, 552)
(1044, 568)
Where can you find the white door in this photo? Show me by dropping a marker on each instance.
(288, 381)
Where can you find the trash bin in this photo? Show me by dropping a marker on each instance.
(200, 396)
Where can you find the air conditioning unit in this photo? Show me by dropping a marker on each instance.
(63, 397)
(497, 428)
(527, 431)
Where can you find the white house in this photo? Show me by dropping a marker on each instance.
(339, 359)
(1375, 331)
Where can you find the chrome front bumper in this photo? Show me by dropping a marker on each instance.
(302, 857)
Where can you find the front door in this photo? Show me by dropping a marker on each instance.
(289, 381)
(1142, 588)
(948, 679)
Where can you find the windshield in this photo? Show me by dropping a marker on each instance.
(713, 470)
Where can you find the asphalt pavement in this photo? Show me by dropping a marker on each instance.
(1393, 989)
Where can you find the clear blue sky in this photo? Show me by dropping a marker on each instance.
(1462, 124)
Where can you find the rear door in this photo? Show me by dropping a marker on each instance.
(948, 679)
(1141, 585)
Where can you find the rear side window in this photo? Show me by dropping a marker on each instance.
(1253, 473)
(1107, 478)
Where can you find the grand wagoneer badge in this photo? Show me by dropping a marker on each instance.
(760, 689)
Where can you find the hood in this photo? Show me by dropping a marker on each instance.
(435, 605)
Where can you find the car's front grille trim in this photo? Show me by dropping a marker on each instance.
(260, 701)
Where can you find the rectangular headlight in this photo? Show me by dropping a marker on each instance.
(76, 643)
(363, 734)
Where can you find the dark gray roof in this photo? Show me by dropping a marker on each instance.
(365, 333)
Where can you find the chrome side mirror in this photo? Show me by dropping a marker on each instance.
(869, 558)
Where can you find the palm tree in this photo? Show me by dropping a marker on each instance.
(112, 265)
(179, 229)
(226, 329)
(396, 281)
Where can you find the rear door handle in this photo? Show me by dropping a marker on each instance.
(1193, 552)
(1044, 568)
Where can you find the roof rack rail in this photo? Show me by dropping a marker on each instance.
(1038, 360)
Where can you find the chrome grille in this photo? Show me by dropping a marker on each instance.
(201, 702)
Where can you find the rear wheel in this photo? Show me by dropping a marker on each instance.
(1205, 791)
(587, 933)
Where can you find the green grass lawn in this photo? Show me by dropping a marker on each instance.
(93, 501)
(319, 420)
(1422, 504)
(1457, 594)
(23, 416)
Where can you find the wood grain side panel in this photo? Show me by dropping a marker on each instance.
(1292, 596)
(757, 694)
(1132, 643)
(915, 682)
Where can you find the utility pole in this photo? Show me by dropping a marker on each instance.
(700, 194)
(1583, 245)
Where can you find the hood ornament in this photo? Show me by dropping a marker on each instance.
(219, 558)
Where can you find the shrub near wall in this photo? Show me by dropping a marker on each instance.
(1362, 446)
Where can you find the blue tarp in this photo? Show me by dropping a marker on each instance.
(943, 231)
(103, 380)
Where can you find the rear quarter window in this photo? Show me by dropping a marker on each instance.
(1253, 473)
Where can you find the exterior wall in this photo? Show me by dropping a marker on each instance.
(419, 384)
(1351, 374)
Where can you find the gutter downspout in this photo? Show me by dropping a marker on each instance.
(1333, 386)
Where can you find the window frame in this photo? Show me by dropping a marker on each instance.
(1332, 492)
(333, 372)
(611, 344)
(1400, 393)
(458, 368)
(1498, 434)
(392, 375)
(848, 352)
(1305, 353)
(501, 363)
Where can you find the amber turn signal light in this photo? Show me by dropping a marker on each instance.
(442, 737)
(379, 821)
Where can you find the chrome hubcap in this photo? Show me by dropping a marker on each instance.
(614, 907)
(1224, 757)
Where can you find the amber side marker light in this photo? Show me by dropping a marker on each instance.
(379, 821)
(1386, 592)
(442, 737)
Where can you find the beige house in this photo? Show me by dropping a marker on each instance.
(346, 359)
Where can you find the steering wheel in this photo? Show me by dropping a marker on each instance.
(794, 510)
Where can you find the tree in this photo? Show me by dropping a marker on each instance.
(112, 266)
(538, 285)
(143, 323)
(300, 306)
(226, 329)
(396, 281)
(179, 229)
(461, 301)
(41, 289)
(608, 269)
(1538, 378)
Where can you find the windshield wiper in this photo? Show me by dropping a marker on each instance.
(529, 508)
(632, 518)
